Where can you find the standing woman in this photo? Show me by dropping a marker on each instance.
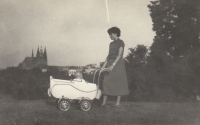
(115, 80)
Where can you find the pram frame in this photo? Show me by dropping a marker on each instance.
(81, 99)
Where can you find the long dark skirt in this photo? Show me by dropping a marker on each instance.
(115, 82)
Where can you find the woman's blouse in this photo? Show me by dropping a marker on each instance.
(114, 48)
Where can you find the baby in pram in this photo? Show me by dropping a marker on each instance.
(78, 76)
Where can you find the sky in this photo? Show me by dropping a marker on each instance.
(74, 32)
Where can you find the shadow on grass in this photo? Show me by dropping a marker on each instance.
(75, 103)
(51, 102)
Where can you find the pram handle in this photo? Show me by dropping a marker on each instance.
(95, 74)
(100, 71)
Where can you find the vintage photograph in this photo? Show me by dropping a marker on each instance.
(99, 62)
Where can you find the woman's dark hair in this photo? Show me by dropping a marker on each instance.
(114, 30)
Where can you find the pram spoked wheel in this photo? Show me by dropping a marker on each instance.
(85, 105)
(64, 104)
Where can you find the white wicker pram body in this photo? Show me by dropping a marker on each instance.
(66, 91)
(76, 89)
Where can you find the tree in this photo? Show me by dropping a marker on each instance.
(137, 55)
(177, 24)
(177, 27)
(135, 71)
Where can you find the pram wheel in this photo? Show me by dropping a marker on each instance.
(64, 104)
(85, 105)
(57, 101)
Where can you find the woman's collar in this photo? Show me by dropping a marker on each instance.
(117, 39)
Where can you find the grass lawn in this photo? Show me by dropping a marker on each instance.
(14, 112)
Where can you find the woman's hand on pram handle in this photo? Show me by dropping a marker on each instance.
(103, 69)
(109, 69)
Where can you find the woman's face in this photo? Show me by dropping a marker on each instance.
(112, 36)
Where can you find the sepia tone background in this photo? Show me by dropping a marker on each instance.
(73, 32)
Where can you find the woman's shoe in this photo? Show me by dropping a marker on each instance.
(117, 106)
(103, 106)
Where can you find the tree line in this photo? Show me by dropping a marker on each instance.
(169, 69)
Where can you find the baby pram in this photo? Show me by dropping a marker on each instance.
(67, 91)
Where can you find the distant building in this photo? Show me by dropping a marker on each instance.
(58, 68)
(90, 68)
(69, 70)
(73, 69)
(39, 61)
(72, 72)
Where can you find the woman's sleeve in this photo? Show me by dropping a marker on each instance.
(121, 44)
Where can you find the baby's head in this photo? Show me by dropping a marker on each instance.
(78, 75)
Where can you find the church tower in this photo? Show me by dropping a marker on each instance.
(38, 53)
(40, 60)
(41, 52)
(41, 56)
(32, 53)
(45, 56)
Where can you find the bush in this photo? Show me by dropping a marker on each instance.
(27, 84)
